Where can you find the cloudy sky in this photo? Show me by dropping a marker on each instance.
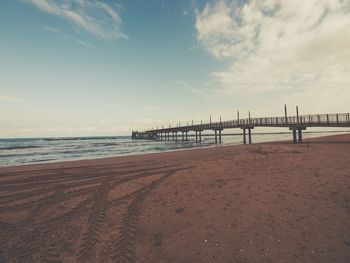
(88, 67)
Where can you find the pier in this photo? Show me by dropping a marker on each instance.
(296, 124)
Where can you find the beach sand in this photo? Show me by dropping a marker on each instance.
(271, 202)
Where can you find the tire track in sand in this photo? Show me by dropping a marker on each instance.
(125, 244)
(95, 220)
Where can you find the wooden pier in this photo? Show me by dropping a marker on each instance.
(296, 124)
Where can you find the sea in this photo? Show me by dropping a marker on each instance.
(18, 151)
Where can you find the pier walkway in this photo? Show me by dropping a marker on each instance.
(295, 123)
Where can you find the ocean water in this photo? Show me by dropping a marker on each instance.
(39, 150)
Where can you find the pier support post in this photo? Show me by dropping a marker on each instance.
(196, 136)
(250, 136)
(294, 136)
(183, 136)
(300, 138)
(249, 128)
(244, 139)
(297, 134)
(219, 136)
(216, 136)
(186, 136)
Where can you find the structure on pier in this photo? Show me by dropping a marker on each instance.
(296, 124)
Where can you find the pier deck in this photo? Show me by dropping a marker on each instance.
(294, 123)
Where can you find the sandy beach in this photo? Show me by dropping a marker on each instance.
(270, 202)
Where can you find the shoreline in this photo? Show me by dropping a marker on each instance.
(58, 161)
(264, 202)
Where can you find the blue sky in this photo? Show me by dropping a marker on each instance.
(86, 67)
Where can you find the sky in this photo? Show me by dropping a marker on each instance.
(88, 67)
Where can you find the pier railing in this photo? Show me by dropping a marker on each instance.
(321, 120)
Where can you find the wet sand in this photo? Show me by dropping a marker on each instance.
(271, 202)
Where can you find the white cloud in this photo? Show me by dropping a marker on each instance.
(97, 18)
(288, 47)
(77, 41)
(51, 29)
(188, 87)
(83, 43)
